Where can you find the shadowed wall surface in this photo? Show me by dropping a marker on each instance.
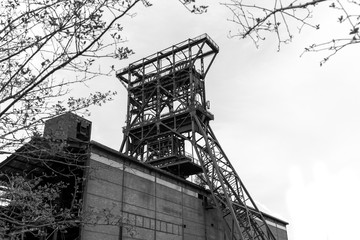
(155, 204)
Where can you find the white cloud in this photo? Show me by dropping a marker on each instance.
(324, 205)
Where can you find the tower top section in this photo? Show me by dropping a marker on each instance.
(198, 52)
(165, 91)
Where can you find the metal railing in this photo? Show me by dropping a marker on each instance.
(168, 51)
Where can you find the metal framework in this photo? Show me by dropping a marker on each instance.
(168, 127)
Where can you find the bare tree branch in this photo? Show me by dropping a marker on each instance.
(255, 20)
(38, 39)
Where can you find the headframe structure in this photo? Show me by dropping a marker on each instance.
(167, 126)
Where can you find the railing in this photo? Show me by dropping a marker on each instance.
(152, 75)
(167, 52)
(193, 159)
(149, 118)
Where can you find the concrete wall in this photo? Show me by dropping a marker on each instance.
(155, 205)
(278, 230)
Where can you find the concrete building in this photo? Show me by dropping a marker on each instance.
(159, 205)
(140, 201)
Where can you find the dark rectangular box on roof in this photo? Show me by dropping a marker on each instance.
(68, 126)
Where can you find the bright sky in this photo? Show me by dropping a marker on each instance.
(290, 127)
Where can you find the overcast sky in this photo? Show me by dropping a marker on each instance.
(289, 127)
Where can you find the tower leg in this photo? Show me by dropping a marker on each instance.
(241, 216)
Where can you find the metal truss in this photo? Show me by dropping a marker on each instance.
(240, 213)
(161, 90)
(167, 109)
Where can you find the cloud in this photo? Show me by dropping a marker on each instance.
(324, 205)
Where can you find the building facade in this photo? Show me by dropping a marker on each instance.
(154, 204)
(122, 198)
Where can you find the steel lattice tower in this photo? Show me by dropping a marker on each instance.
(168, 127)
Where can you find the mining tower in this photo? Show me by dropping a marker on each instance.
(167, 126)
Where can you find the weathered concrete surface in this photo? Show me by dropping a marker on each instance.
(150, 204)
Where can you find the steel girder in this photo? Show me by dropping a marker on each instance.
(241, 215)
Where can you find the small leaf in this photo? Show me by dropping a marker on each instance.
(341, 18)
(354, 31)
